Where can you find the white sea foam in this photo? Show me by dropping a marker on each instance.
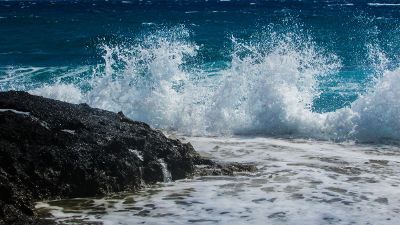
(297, 182)
(268, 88)
(378, 111)
(383, 4)
(65, 92)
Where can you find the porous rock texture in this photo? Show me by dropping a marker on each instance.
(51, 149)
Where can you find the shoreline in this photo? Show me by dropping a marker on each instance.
(295, 182)
(52, 150)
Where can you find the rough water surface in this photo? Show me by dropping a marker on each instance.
(309, 69)
(298, 182)
(307, 90)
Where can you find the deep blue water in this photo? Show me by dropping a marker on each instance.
(53, 42)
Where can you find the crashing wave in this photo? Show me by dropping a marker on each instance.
(268, 88)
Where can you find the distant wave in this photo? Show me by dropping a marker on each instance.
(383, 4)
(342, 4)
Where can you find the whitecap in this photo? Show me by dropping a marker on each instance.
(268, 88)
(383, 4)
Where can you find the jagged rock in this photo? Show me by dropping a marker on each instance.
(52, 149)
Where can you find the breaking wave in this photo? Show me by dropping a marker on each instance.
(268, 87)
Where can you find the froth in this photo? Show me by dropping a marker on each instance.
(378, 111)
(268, 88)
(64, 92)
(273, 88)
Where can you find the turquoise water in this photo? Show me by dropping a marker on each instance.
(300, 89)
(311, 69)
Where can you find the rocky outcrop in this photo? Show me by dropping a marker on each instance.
(52, 149)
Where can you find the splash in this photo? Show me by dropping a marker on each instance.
(64, 92)
(268, 88)
(271, 89)
(146, 80)
(378, 111)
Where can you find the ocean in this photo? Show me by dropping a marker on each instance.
(307, 90)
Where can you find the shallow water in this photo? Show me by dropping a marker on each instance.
(298, 182)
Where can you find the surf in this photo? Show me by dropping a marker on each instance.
(268, 87)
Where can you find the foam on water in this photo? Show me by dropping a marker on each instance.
(320, 183)
(268, 88)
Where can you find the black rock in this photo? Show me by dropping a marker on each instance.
(52, 149)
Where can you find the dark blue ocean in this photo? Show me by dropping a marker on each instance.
(319, 69)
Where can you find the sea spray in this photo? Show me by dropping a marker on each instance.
(65, 92)
(378, 111)
(267, 89)
(271, 90)
(146, 80)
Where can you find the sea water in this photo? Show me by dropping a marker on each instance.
(297, 182)
(307, 90)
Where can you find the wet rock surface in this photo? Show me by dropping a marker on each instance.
(51, 149)
(223, 169)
